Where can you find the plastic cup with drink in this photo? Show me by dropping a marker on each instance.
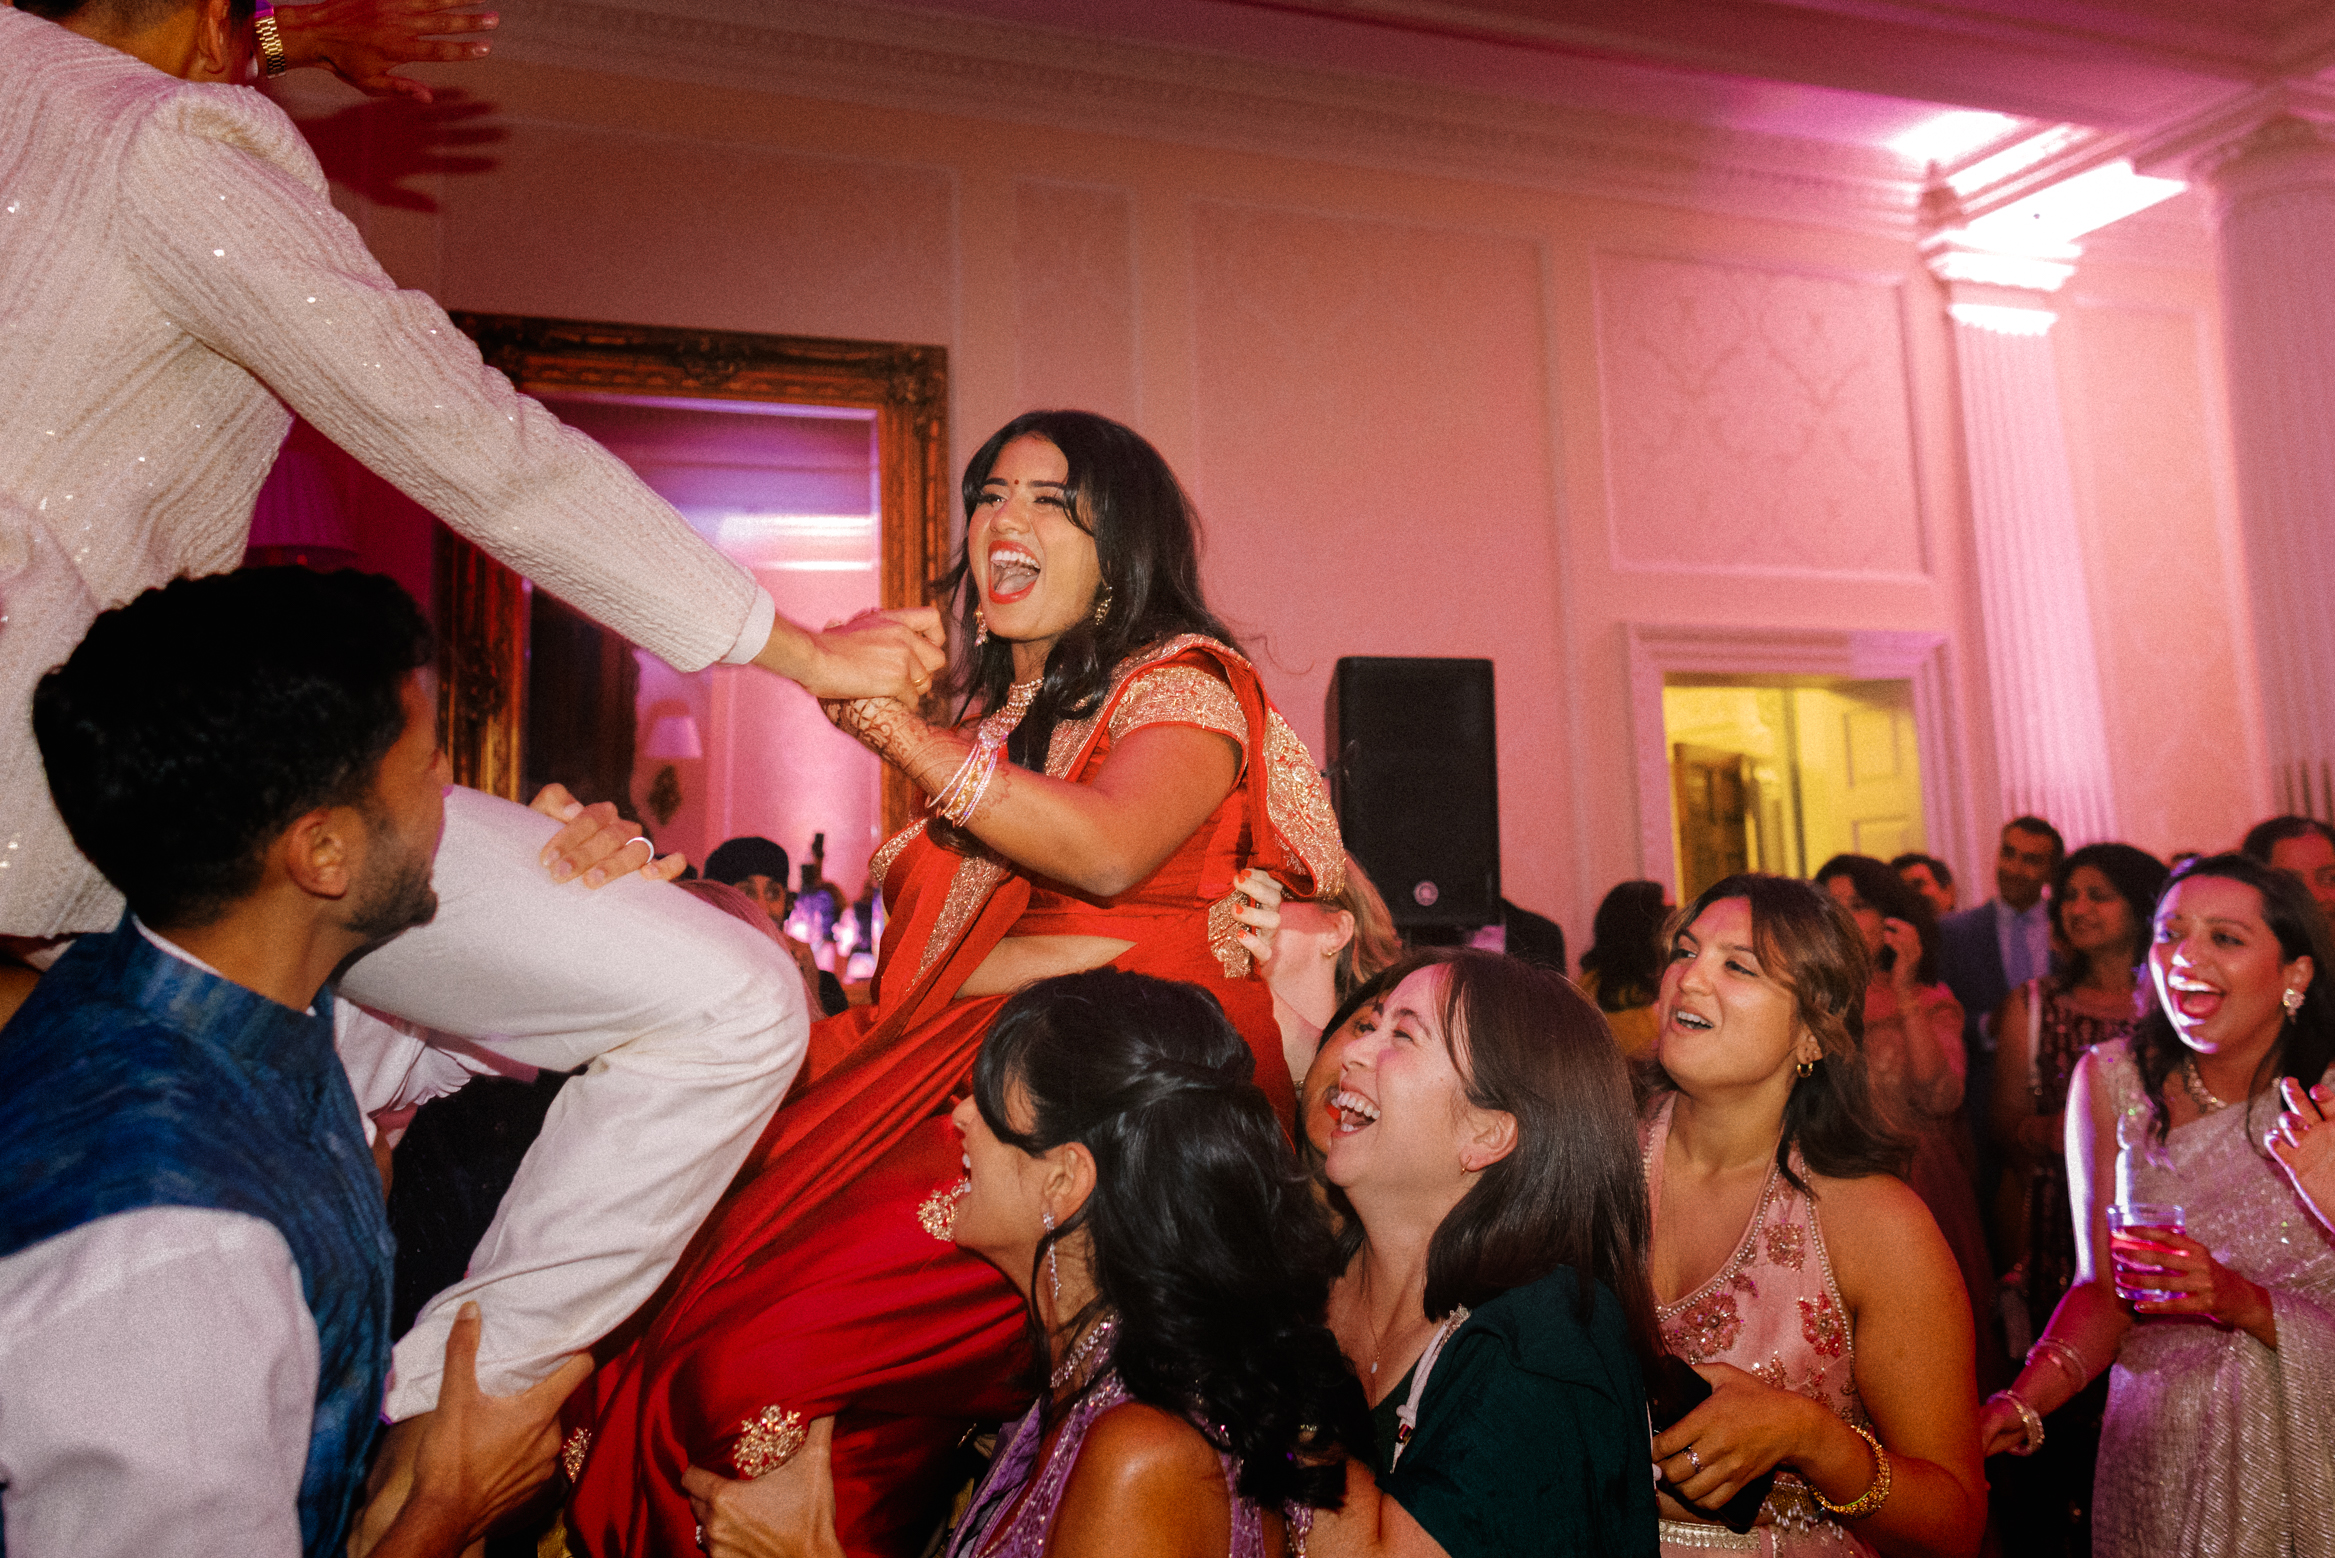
(2135, 1254)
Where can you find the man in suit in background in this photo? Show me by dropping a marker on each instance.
(1987, 952)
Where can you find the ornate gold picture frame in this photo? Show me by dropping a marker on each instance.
(481, 607)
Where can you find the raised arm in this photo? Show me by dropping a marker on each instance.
(1102, 835)
(225, 218)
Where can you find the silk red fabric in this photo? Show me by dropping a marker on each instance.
(816, 1286)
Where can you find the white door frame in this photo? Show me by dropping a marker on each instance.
(1659, 650)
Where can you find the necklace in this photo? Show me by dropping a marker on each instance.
(2199, 1093)
(1104, 1329)
(1377, 1339)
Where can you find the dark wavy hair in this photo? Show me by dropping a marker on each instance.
(1572, 1192)
(2267, 835)
(2137, 876)
(193, 725)
(1207, 1239)
(1625, 945)
(1806, 942)
(1147, 539)
(2305, 1045)
(1895, 897)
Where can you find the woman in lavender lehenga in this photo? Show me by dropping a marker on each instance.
(1126, 1173)
(2219, 1320)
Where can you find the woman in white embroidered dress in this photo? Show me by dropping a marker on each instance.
(1800, 1276)
(2220, 1433)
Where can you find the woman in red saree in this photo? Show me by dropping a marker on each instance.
(1127, 770)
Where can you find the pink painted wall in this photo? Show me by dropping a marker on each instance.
(1420, 414)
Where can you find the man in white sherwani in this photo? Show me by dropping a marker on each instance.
(174, 283)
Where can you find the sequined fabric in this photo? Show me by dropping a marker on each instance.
(2214, 1444)
(1775, 1311)
(1013, 1510)
(172, 276)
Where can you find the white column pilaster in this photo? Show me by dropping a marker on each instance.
(2043, 671)
(2272, 197)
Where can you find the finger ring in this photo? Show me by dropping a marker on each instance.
(1694, 1460)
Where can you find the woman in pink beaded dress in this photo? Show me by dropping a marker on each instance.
(1799, 1275)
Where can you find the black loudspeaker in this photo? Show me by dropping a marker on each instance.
(1415, 777)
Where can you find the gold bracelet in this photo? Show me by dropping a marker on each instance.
(271, 38)
(1878, 1490)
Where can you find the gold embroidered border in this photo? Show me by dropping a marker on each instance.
(1180, 695)
(572, 1453)
(880, 863)
(768, 1442)
(1300, 806)
(969, 889)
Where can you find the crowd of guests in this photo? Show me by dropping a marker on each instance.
(1148, 1147)
(1041, 1177)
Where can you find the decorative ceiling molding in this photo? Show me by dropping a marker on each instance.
(881, 56)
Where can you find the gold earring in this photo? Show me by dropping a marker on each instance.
(1103, 606)
(1805, 1067)
(980, 628)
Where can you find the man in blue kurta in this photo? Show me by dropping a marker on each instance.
(194, 1261)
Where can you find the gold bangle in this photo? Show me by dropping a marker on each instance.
(271, 39)
(1875, 1492)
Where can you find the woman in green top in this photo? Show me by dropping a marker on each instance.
(1486, 1143)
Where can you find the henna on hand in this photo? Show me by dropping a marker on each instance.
(901, 737)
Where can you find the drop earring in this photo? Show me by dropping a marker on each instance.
(1103, 605)
(1053, 1271)
(980, 628)
(2292, 1001)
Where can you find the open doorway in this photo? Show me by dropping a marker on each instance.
(1781, 773)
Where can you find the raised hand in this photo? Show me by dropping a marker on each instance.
(786, 1513)
(2304, 1145)
(365, 41)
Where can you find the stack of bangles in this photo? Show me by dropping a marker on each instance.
(958, 799)
(961, 796)
(1875, 1492)
(2069, 1361)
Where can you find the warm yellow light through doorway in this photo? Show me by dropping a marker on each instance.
(1782, 774)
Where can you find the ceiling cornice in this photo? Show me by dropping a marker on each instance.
(899, 58)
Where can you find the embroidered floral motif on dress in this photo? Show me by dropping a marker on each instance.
(1224, 937)
(1708, 1326)
(938, 1214)
(1180, 695)
(1787, 1244)
(1825, 1327)
(572, 1453)
(767, 1442)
